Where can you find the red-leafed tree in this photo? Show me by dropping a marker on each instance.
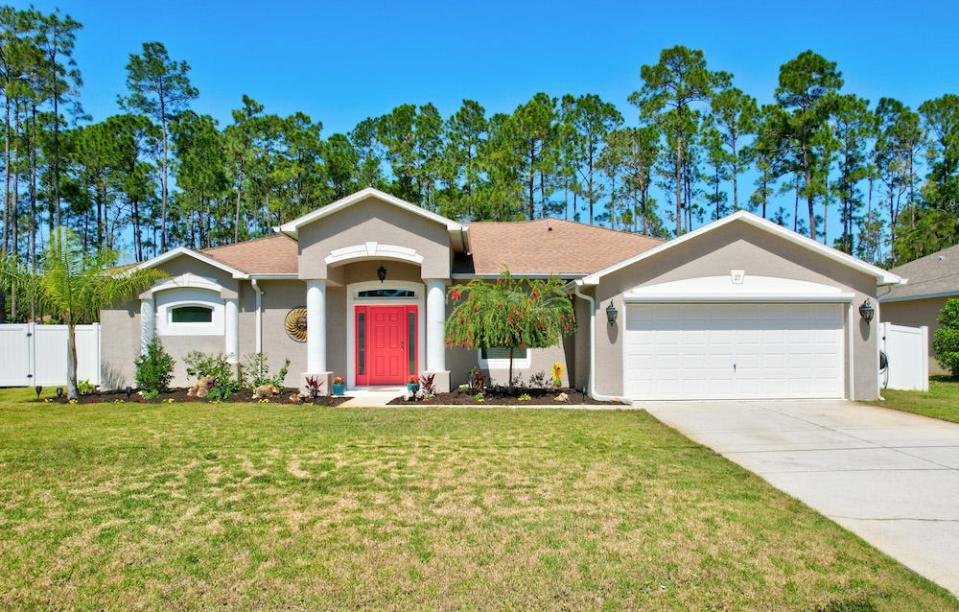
(511, 313)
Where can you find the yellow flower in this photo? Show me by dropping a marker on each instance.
(557, 374)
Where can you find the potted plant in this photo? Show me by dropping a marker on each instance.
(413, 385)
(339, 387)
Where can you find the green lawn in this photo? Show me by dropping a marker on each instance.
(253, 506)
(940, 402)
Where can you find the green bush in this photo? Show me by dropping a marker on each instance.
(85, 387)
(946, 341)
(154, 369)
(216, 367)
(256, 372)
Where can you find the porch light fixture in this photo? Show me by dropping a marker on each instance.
(611, 313)
(381, 273)
(867, 311)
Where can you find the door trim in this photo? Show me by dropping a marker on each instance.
(419, 300)
(368, 310)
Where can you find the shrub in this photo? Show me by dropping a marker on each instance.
(426, 383)
(85, 387)
(477, 380)
(313, 385)
(218, 368)
(537, 380)
(946, 341)
(256, 372)
(154, 369)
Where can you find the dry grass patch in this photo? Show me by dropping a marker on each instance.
(254, 506)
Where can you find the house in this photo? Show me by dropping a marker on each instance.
(933, 279)
(740, 308)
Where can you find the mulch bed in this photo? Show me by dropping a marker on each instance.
(504, 397)
(180, 395)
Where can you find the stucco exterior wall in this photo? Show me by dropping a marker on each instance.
(736, 246)
(374, 221)
(120, 342)
(916, 313)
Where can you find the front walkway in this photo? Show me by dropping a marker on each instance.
(369, 397)
(890, 477)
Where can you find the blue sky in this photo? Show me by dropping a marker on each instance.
(343, 61)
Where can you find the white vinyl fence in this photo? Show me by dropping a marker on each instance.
(907, 353)
(32, 354)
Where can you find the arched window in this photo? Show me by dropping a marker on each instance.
(191, 314)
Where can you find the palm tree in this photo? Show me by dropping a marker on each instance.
(74, 286)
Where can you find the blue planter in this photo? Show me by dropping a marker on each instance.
(412, 387)
(339, 388)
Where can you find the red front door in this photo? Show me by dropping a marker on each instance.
(385, 344)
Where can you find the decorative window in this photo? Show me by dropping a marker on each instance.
(386, 293)
(411, 342)
(361, 343)
(191, 314)
(497, 358)
(189, 311)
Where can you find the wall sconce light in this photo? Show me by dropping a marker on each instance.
(381, 273)
(867, 311)
(611, 313)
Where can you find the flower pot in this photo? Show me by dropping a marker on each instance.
(339, 388)
(412, 387)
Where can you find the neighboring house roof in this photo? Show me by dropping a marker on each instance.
(275, 254)
(883, 277)
(935, 275)
(546, 246)
(292, 227)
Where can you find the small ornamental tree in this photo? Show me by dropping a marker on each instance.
(946, 341)
(511, 313)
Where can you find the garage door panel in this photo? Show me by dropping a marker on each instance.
(729, 351)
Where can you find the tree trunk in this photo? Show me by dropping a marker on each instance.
(509, 384)
(72, 360)
(679, 187)
(6, 178)
(810, 199)
(796, 206)
(164, 172)
(735, 175)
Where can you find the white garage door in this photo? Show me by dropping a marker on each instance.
(733, 351)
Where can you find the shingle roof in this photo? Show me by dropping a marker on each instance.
(936, 274)
(275, 254)
(547, 246)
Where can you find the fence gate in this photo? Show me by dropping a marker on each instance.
(907, 352)
(32, 354)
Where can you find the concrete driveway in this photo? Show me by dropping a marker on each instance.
(888, 476)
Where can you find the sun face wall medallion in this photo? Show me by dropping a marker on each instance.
(296, 324)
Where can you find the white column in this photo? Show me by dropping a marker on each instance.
(147, 323)
(315, 326)
(232, 332)
(435, 325)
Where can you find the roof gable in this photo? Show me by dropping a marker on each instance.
(883, 277)
(183, 251)
(291, 228)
